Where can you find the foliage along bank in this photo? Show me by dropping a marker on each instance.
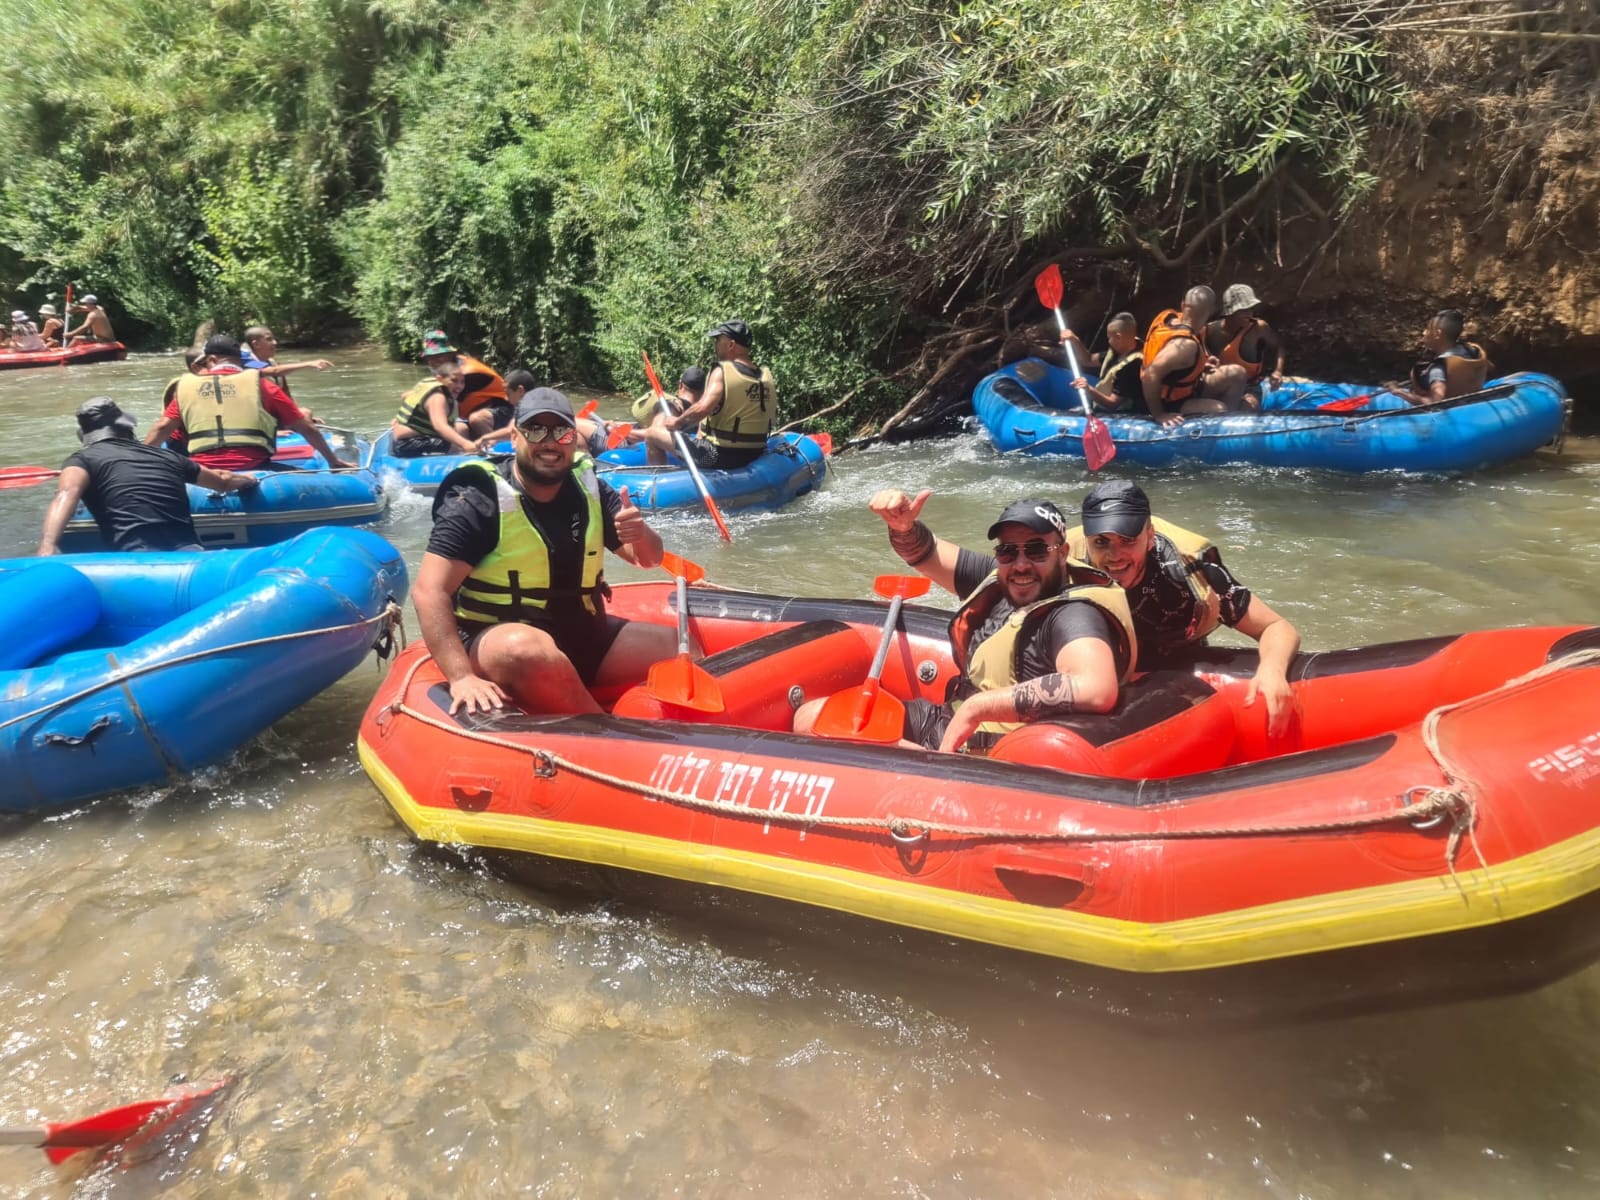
(565, 183)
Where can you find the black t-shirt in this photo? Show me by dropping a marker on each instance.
(136, 494)
(1163, 606)
(466, 527)
(1063, 624)
(1124, 385)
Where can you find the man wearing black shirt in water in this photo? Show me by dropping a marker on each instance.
(135, 492)
(1036, 637)
(511, 592)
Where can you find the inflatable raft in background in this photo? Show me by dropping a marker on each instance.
(1170, 836)
(793, 465)
(83, 352)
(129, 669)
(1029, 407)
(306, 495)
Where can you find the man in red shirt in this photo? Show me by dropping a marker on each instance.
(230, 416)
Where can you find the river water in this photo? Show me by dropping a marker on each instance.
(409, 1024)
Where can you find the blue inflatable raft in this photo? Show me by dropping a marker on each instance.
(793, 465)
(129, 669)
(301, 496)
(1029, 407)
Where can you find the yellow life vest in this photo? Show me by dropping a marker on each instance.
(1180, 560)
(224, 412)
(743, 421)
(414, 407)
(513, 582)
(997, 660)
(1462, 375)
(1108, 378)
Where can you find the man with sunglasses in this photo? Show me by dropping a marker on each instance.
(1036, 637)
(511, 592)
(1179, 591)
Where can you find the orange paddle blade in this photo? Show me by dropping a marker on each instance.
(589, 409)
(1345, 404)
(825, 440)
(864, 714)
(650, 374)
(673, 565)
(618, 435)
(907, 587)
(684, 682)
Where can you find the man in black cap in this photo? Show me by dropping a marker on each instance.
(1179, 591)
(1037, 636)
(735, 413)
(647, 413)
(511, 592)
(229, 417)
(135, 492)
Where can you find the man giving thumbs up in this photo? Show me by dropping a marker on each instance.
(511, 594)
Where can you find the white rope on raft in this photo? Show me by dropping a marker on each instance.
(392, 617)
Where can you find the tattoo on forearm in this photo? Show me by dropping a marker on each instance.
(1045, 697)
(913, 545)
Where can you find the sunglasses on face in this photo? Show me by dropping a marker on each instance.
(1037, 550)
(561, 435)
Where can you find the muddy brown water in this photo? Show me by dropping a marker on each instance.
(406, 1023)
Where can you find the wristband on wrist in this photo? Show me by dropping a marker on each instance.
(914, 545)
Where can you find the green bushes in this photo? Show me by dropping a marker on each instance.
(563, 183)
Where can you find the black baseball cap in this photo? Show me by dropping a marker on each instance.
(102, 416)
(693, 378)
(222, 345)
(1038, 515)
(544, 401)
(1116, 506)
(737, 330)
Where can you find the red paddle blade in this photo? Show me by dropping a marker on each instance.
(864, 714)
(618, 435)
(825, 440)
(119, 1124)
(1048, 286)
(1345, 404)
(589, 409)
(904, 586)
(21, 477)
(1098, 447)
(684, 682)
(673, 565)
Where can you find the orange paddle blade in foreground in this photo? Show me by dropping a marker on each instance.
(868, 713)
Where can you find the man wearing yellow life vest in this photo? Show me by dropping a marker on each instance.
(229, 418)
(1451, 367)
(1036, 637)
(1178, 591)
(427, 421)
(1179, 376)
(511, 592)
(646, 412)
(1242, 339)
(736, 412)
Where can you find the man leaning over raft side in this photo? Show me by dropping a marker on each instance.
(1037, 636)
(1450, 367)
(135, 492)
(230, 417)
(511, 591)
(1178, 591)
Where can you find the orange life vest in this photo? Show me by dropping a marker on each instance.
(483, 384)
(1232, 354)
(1169, 326)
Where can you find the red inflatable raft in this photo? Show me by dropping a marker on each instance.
(83, 352)
(1429, 791)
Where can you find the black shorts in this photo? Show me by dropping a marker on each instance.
(721, 458)
(500, 410)
(417, 447)
(926, 722)
(585, 648)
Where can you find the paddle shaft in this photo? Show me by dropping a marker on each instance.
(683, 615)
(882, 656)
(24, 1135)
(1072, 361)
(694, 471)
